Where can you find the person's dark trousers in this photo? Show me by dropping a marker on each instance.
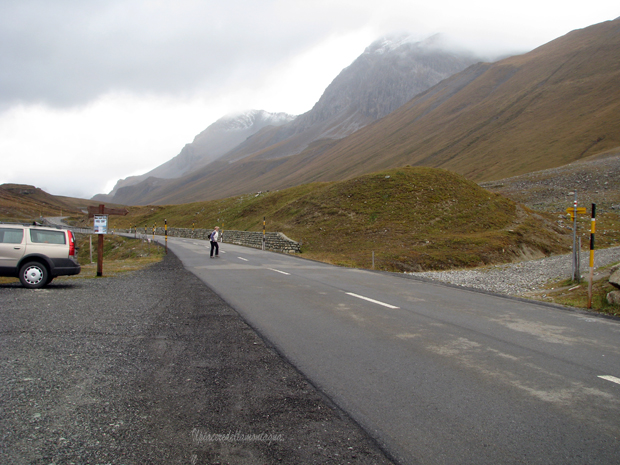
(216, 246)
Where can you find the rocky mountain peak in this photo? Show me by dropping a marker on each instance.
(248, 119)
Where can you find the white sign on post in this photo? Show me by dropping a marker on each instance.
(101, 224)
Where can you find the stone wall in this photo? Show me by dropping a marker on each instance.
(275, 241)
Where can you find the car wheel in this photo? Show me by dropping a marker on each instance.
(33, 275)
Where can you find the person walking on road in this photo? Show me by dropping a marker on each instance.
(214, 237)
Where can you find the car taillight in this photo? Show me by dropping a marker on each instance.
(71, 244)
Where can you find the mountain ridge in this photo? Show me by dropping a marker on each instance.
(542, 109)
(217, 139)
(389, 72)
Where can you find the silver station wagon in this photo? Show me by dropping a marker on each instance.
(37, 254)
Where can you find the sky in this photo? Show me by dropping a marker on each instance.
(94, 91)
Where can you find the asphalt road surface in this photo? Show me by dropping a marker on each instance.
(436, 374)
(152, 367)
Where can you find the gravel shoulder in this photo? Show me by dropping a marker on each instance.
(519, 279)
(153, 367)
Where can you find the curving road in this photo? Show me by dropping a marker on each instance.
(437, 374)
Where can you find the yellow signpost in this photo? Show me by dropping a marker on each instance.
(580, 211)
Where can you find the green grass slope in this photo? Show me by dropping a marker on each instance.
(411, 218)
(20, 202)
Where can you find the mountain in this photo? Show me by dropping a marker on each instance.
(554, 105)
(220, 137)
(388, 74)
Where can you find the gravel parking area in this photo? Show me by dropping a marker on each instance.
(521, 278)
(153, 367)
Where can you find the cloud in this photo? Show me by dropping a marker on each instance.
(65, 53)
(68, 52)
(127, 83)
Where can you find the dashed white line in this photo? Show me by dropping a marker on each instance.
(371, 300)
(244, 259)
(613, 379)
(278, 271)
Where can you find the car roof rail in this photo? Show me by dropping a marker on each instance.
(34, 223)
(16, 223)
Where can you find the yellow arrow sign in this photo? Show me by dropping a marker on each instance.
(580, 210)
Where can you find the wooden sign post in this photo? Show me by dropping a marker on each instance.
(100, 214)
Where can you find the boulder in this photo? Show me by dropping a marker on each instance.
(614, 279)
(614, 298)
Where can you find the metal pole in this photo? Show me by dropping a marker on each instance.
(579, 260)
(166, 233)
(592, 231)
(263, 233)
(373, 259)
(575, 262)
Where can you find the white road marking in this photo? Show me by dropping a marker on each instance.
(244, 259)
(278, 271)
(371, 300)
(613, 379)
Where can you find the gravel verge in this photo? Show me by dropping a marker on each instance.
(521, 278)
(153, 367)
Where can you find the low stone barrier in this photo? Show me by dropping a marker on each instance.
(274, 241)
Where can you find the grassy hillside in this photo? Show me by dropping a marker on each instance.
(412, 218)
(22, 202)
(19, 202)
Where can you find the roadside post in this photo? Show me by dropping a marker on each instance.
(100, 215)
(101, 228)
(166, 233)
(573, 212)
(263, 233)
(144, 232)
(592, 231)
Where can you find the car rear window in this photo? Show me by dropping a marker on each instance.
(11, 236)
(47, 237)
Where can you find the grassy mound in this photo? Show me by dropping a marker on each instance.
(411, 218)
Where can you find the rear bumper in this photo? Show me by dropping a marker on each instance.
(65, 267)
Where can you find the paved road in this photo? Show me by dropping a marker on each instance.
(436, 374)
(152, 367)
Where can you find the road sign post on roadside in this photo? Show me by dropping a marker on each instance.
(100, 215)
(592, 231)
(573, 212)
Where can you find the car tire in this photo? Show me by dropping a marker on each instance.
(34, 275)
